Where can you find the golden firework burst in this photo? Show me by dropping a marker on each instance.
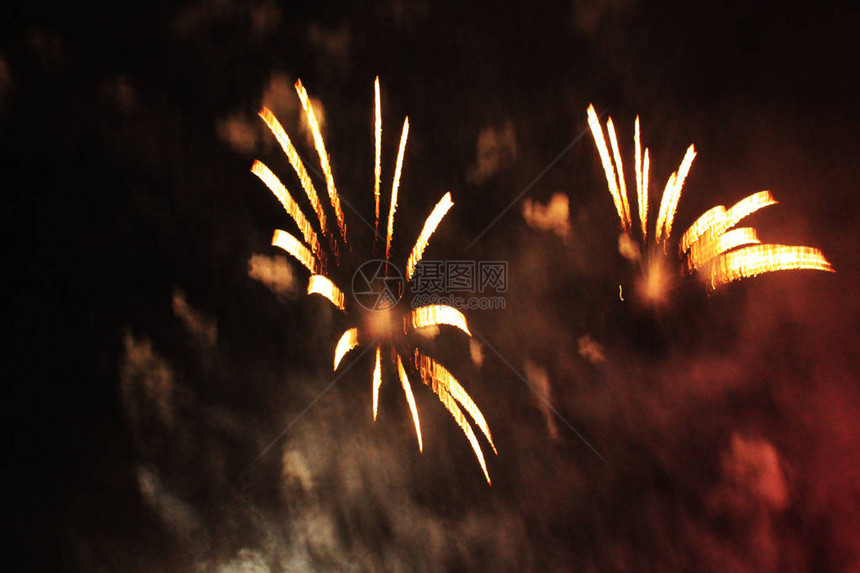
(713, 246)
(379, 327)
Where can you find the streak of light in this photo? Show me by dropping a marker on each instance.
(292, 246)
(293, 155)
(322, 285)
(407, 389)
(394, 187)
(347, 342)
(438, 314)
(290, 206)
(427, 231)
(377, 169)
(432, 370)
(319, 144)
(377, 381)
(758, 259)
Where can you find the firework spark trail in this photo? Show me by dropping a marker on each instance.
(377, 163)
(608, 169)
(619, 173)
(432, 370)
(717, 220)
(672, 195)
(394, 187)
(410, 399)
(451, 405)
(641, 181)
(449, 391)
(322, 285)
(439, 314)
(377, 381)
(347, 342)
(439, 211)
(704, 251)
(319, 144)
(290, 206)
(759, 259)
(296, 249)
(298, 166)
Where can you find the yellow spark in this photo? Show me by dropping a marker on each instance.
(600, 141)
(747, 206)
(377, 170)
(432, 370)
(759, 259)
(395, 184)
(347, 342)
(430, 225)
(619, 173)
(407, 389)
(319, 144)
(641, 181)
(322, 285)
(290, 151)
(708, 248)
(377, 382)
(438, 314)
(290, 206)
(672, 194)
(717, 220)
(448, 400)
(293, 247)
(713, 218)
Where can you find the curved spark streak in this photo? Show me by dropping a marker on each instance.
(747, 206)
(290, 151)
(394, 186)
(619, 173)
(290, 206)
(453, 409)
(672, 194)
(708, 248)
(377, 381)
(347, 342)
(758, 259)
(322, 285)
(292, 246)
(717, 220)
(438, 314)
(600, 141)
(710, 219)
(377, 169)
(319, 144)
(439, 211)
(433, 371)
(407, 389)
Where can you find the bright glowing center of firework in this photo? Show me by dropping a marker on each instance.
(654, 284)
(380, 324)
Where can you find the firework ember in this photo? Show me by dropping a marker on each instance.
(379, 327)
(711, 245)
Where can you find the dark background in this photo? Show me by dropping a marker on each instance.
(725, 425)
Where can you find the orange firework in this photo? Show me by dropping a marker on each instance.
(711, 246)
(380, 327)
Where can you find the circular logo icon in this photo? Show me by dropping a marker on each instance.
(377, 285)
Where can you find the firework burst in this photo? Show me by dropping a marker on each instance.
(713, 247)
(384, 327)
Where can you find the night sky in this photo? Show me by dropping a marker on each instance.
(156, 344)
